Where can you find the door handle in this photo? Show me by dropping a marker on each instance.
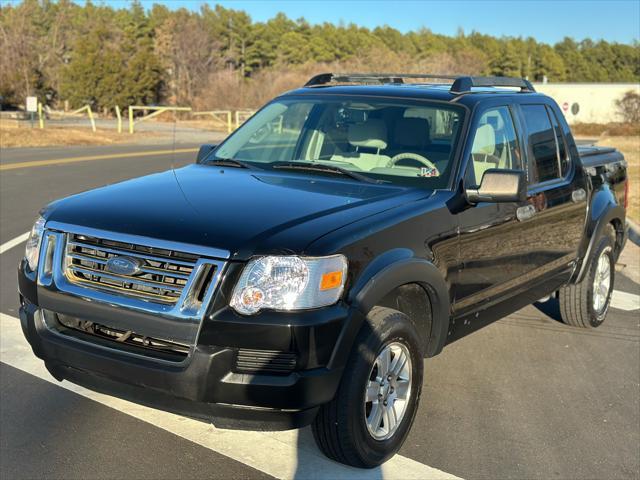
(525, 213)
(578, 195)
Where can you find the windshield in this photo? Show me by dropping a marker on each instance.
(410, 143)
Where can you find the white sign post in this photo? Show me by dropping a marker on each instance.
(32, 104)
(32, 107)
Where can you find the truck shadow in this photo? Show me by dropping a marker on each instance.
(551, 308)
(311, 463)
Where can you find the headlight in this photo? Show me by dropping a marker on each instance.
(289, 283)
(32, 251)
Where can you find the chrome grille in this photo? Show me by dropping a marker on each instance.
(161, 278)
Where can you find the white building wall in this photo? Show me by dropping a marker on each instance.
(594, 102)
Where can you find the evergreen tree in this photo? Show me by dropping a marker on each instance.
(507, 63)
(97, 54)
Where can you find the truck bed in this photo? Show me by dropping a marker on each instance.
(593, 156)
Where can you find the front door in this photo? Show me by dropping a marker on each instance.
(494, 244)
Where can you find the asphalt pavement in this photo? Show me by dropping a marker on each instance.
(526, 397)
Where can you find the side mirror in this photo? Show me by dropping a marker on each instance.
(499, 185)
(204, 151)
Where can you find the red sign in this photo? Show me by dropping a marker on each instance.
(565, 106)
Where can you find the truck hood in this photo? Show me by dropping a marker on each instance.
(245, 212)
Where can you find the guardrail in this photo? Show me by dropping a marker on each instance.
(86, 108)
(158, 111)
(40, 116)
(242, 116)
(220, 117)
(227, 120)
(45, 113)
(119, 119)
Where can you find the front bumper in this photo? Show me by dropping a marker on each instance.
(207, 384)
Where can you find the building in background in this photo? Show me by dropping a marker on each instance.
(588, 102)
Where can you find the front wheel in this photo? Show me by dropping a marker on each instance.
(370, 417)
(586, 303)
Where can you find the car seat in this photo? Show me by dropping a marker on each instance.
(370, 135)
(483, 151)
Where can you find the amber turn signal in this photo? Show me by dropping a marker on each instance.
(331, 280)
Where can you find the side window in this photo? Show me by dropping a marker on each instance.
(562, 143)
(495, 145)
(542, 143)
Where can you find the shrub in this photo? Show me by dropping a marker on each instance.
(629, 107)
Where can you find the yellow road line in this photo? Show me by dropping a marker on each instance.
(58, 161)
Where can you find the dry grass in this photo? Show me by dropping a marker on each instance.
(630, 148)
(606, 129)
(12, 135)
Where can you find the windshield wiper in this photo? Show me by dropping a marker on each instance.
(321, 167)
(229, 162)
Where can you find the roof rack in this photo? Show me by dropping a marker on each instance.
(461, 84)
(464, 84)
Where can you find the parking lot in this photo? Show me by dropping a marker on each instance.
(527, 397)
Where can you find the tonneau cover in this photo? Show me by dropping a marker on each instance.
(593, 156)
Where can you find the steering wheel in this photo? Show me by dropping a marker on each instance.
(414, 156)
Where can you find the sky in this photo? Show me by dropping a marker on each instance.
(545, 20)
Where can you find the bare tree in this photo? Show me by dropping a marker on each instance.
(629, 107)
(192, 52)
(18, 55)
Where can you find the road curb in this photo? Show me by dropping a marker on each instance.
(634, 231)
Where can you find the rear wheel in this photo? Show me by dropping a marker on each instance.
(370, 417)
(585, 304)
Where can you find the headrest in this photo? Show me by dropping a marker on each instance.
(485, 141)
(495, 120)
(372, 134)
(412, 132)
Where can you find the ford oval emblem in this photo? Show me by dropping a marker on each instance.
(122, 265)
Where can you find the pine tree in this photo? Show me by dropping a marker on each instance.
(507, 63)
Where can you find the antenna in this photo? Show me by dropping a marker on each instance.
(173, 149)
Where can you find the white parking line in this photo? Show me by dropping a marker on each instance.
(625, 301)
(285, 455)
(14, 243)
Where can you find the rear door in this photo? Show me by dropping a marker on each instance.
(557, 196)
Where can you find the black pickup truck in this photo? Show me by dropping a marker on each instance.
(299, 272)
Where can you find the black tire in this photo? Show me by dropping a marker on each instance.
(577, 300)
(340, 428)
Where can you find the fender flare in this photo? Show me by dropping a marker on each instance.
(387, 272)
(602, 214)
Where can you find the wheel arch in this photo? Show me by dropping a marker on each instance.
(399, 280)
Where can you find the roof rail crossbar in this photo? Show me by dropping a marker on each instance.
(464, 84)
(461, 84)
(324, 78)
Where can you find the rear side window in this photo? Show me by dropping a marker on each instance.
(562, 144)
(542, 143)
